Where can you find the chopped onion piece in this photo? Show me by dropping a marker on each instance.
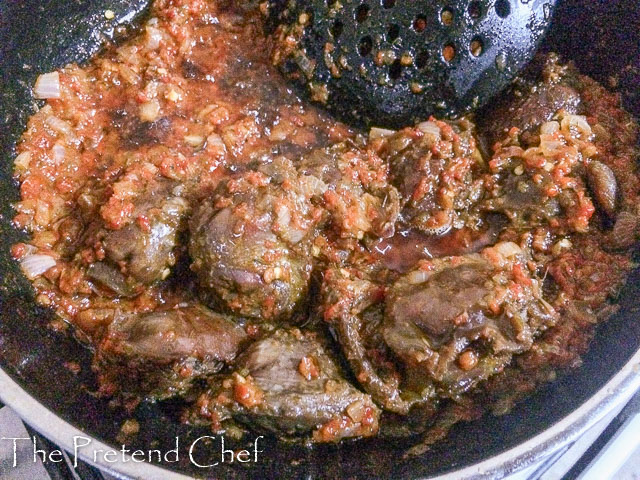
(549, 128)
(513, 151)
(150, 168)
(59, 126)
(376, 132)
(154, 37)
(194, 140)
(178, 190)
(579, 122)
(283, 216)
(47, 86)
(356, 410)
(311, 185)
(549, 145)
(561, 245)
(216, 141)
(532, 155)
(430, 128)
(294, 236)
(175, 206)
(129, 75)
(22, 161)
(35, 265)
(149, 111)
(508, 249)
(418, 276)
(59, 153)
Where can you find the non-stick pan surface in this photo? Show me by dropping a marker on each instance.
(602, 36)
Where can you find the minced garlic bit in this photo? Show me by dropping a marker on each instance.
(173, 96)
(303, 19)
(195, 141)
(561, 245)
(149, 111)
(109, 14)
(272, 274)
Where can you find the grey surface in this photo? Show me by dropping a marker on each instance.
(25, 468)
(631, 469)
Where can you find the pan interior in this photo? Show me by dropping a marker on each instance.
(34, 354)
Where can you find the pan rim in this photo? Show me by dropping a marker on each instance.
(620, 388)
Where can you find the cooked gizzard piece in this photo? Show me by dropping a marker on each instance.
(158, 355)
(288, 383)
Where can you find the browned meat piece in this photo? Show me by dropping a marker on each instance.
(250, 245)
(533, 103)
(351, 305)
(458, 320)
(143, 251)
(535, 108)
(289, 383)
(354, 189)
(159, 355)
(562, 153)
(435, 167)
(451, 323)
(149, 250)
(604, 186)
(544, 184)
(615, 180)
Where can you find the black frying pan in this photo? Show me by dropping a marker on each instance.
(602, 36)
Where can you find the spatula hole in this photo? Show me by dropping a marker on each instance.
(393, 32)
(422, 59)
(446, 16)
(503, 8)
(388, 3)
(336, 29)
(395, 70)
(448, 53)
(475, 10)
(365, 46)
(476, 47)
(362, 13)
(420, 23)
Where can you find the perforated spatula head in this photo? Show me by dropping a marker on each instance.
(393, 62)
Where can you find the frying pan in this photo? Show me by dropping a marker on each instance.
(602, 36)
